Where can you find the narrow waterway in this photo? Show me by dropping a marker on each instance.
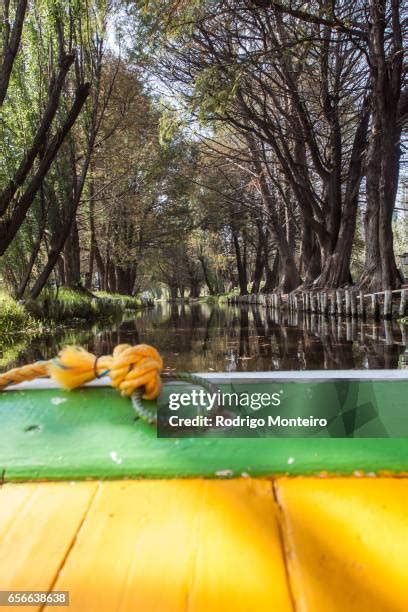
(201, 337)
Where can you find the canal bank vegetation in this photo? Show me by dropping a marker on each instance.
(62, 306)
(244, 148)
(14, 317)
(68, 305)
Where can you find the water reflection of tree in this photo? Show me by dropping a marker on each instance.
(200, 337)
(244, 350)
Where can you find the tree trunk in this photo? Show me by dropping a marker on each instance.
(27, 274)
(125, 280)
(111, 276)
(39, 140)
(289, 278)
(194, 288)
(380, 271)
(242, 272)
(173, 291)
(11, 45)
(60, 270)
(72, 259)
(310, 255)
(336, 268)
(206, 274)
(272, 275)
(9, 226)
(259, 264)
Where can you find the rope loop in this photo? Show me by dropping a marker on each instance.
(129, 368)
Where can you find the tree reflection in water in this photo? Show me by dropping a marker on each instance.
(202, 337)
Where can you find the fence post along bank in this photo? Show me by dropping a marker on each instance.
(340, 302)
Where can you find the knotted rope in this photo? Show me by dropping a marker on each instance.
(133, 370)
(129, 367)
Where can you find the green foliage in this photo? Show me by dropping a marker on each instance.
(400, 230)
(14, 317)
(169, 127)
(128, 302)
(69, 305)
(11, 347)
(214, 88)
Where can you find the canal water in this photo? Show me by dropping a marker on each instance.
(201, 337)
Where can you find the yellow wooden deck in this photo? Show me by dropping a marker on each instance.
(304, 544)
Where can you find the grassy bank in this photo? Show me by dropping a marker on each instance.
(14, 316)
(64, 306)
(69, 305)
(125, 301)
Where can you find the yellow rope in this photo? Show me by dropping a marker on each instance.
(129, 368)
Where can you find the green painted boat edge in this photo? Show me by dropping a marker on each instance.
(51, 434)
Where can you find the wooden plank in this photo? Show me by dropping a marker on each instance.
(38, 523)
(346, 542)
(178, 545)
(51, 434)
(12, 500)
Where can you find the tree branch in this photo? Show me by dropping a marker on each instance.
(11, 48)
(9, 227)
(39, 140)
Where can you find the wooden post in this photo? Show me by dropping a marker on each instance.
(403, 334)
(353, 304)
(333, 304)
(295, 302)
(362, 332)
(389, 338)
(278, 301)
(348, 304)
(387, 304)
(307, 309)
(324, 304)
(375, 332)
(362, 310)
(339, 303)
(374, 307)
(354, 329)
(315, 303)
(403, 303)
